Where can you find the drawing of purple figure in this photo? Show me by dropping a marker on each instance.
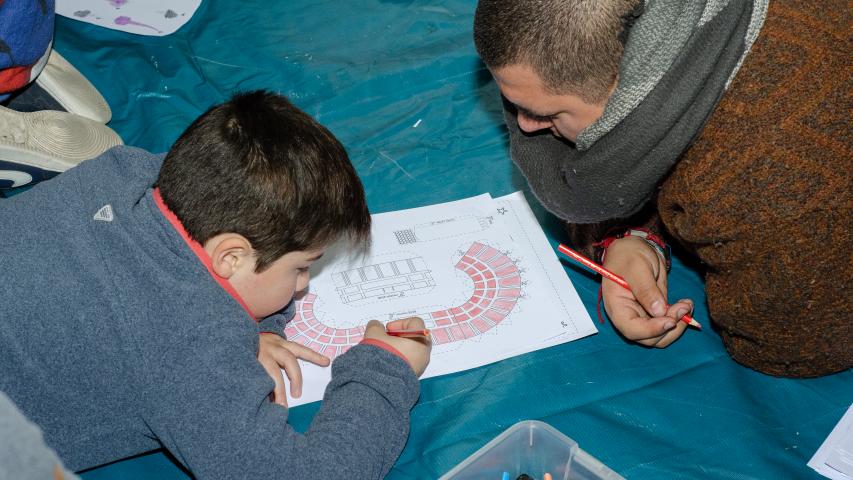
(117, 3)
(122, 20)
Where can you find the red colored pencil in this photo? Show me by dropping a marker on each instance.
(408, 333)
(612, 276)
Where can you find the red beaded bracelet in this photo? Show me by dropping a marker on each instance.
(653, 240)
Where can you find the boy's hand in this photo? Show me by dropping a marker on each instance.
(416, 350)
(642, 314)
(276, 353)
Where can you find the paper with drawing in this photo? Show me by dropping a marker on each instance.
(479, 271)
(149, 17)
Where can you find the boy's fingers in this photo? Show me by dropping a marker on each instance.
(274, 371)
(411, 323)
(373, 329)
(398, 324)
(414, 323)
(290, 365)
(305, 353)
(280, 391)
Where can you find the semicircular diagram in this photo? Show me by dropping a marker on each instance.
(497, 288)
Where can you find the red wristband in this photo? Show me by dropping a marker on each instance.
(384, 346)
(653, 240)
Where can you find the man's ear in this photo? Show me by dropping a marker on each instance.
(229, 253)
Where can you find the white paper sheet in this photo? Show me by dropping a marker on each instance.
(480, 272)
(834, 458)
(143, 17)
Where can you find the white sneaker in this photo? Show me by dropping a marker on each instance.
(72, 90)
(36, 145)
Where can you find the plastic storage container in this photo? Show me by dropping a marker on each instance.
(534, 448)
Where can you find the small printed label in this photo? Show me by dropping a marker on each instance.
(104, 214)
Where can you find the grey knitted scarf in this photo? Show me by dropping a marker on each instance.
(678, 61)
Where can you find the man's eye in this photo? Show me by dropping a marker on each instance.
(538, 118)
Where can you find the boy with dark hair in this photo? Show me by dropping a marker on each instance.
(139, 292)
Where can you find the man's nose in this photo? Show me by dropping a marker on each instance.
(531, 125)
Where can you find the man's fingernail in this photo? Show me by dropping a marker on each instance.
(658, 309)
(681, 312)
(669, 325)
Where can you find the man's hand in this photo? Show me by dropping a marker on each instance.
(276, 353)
(642, 314)
(416, 350)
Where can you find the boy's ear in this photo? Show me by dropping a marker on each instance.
(229, 253)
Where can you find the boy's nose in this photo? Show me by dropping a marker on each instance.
(302, 284)
(530, 125)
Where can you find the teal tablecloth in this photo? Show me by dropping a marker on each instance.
(399, 82)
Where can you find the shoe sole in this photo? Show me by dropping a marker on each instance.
(72, 90)
(52, 141)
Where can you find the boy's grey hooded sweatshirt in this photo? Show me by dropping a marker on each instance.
(116, 340)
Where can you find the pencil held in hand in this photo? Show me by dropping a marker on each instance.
(612, 277)
(408, 333)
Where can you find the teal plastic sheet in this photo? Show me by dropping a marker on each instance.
(399, 82)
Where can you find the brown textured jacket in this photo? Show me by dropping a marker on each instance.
(764, 199)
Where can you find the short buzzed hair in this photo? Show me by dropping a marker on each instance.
(575, 46)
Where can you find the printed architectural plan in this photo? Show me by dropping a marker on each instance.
(479, 272)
